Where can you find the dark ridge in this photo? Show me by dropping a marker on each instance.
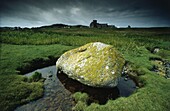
(80, 26)
(152, 49)
(155, 58)
(54, 26)
(37, 63)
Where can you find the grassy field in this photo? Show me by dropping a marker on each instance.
(19, 47)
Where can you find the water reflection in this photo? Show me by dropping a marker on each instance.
(56, 97)
(57, 92)
(99, 95)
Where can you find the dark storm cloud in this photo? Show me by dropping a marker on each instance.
(118, 12)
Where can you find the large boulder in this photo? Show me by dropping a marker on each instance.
(94, 64)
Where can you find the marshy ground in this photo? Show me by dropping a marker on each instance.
(21, 48)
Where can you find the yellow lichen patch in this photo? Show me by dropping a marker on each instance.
(161, 70)
(94, 64)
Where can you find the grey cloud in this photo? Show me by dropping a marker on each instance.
(119, 12)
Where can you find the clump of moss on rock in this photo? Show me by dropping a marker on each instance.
(94, 64)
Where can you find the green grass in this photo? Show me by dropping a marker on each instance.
(78, 96)
(20, 47)
(13, 88)
(15, 91)
(81, 36)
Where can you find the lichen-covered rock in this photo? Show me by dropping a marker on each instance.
(94, 64)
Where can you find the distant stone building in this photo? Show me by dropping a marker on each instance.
(94, 24)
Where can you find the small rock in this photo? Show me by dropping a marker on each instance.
(156, 50)
(125, 78)
(168, 73)
(50, 75)
(167, 64)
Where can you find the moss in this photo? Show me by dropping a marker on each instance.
(95, 107)
(80, 106)
(36, 76)
(78, 96)
(81, 100)
(94, 64)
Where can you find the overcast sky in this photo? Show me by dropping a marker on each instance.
(33, 13)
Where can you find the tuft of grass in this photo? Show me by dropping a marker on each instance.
(35, 77)
(78, 96)
(81, 101)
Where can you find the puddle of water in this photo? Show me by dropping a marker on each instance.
(56, 97)
(99, 95)
(58, 89)
(126, 87)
